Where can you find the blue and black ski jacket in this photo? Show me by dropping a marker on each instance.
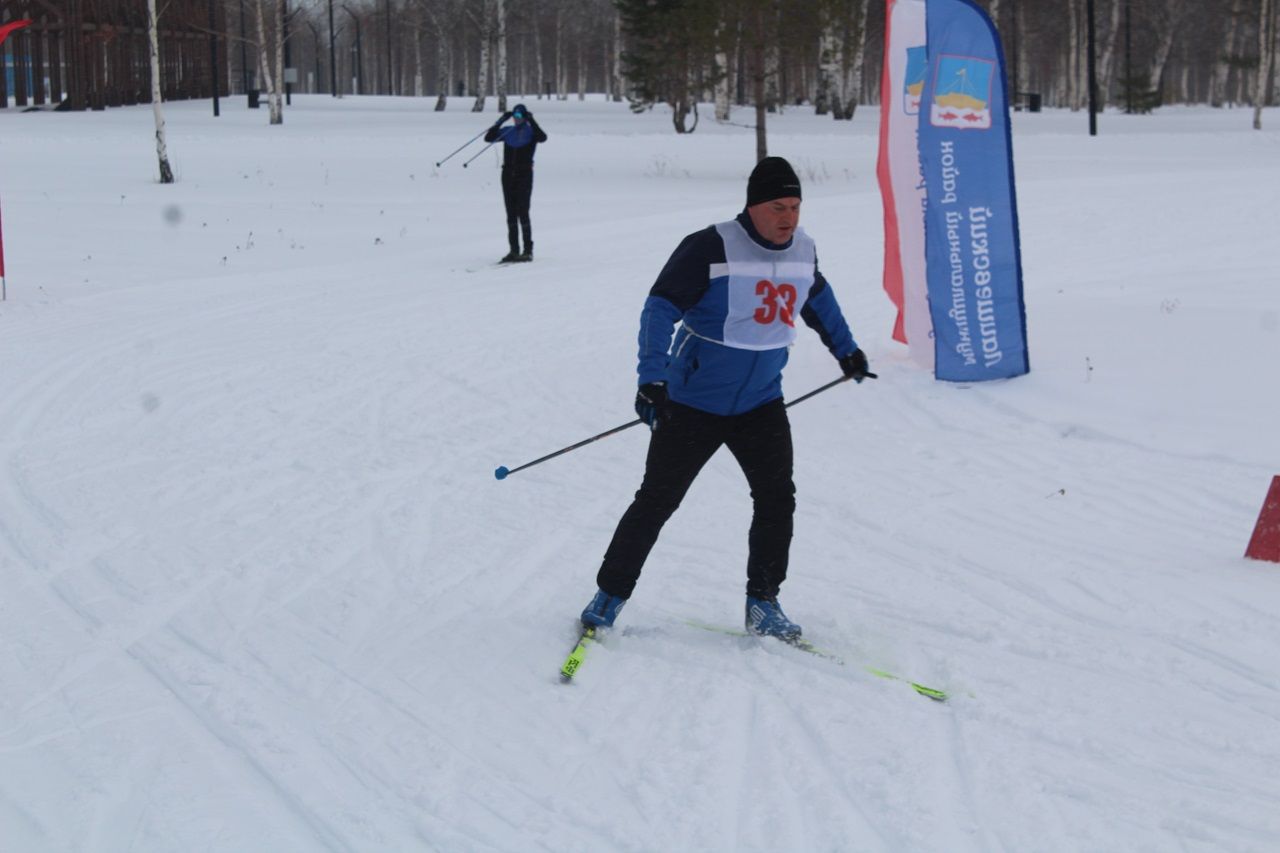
(736, 297)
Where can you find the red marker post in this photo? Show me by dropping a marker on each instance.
(1265, 544)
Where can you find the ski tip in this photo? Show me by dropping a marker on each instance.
(930, 692)
(502, 472)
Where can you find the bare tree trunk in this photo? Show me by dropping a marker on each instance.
(1275, 60)
(482, 79)
(855, 46)
(275, 100)
(758, 85)
(502, 56)
(582, 72)
(444, 65)
(828, 68)
(1168, 17)
(1106, 65)
(1020, 33)
(723, 83)
(619, 85)
(562, 70)
(162, 148)
(1073, 55)
(264, 62)
(1266, 56)
(540, 77)
(1222, 67)
(419, 79)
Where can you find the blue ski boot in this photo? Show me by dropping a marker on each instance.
(766, 619)
(602, 610)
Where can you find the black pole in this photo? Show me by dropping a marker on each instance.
(1093, 79)
(213, 57)
(333, 63)
(288, 87)
(503, 471)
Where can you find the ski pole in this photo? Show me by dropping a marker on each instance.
(482, 150)
(503, 471)
(464, 145)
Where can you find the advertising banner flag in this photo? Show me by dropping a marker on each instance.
(972, 252)
(968, 265)
(898, 173)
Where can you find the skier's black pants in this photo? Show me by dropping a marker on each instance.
(761, 442)
(517, 188)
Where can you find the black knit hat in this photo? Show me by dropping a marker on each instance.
(772, 178)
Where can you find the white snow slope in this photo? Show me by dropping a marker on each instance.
(260, 591)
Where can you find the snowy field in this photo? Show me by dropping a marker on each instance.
(260, 591)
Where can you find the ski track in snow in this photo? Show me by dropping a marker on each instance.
(262, 591)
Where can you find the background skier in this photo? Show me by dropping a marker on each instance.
(519, 141)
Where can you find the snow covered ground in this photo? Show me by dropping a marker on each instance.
(260, 591)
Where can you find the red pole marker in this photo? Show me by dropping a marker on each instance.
(1265, 544)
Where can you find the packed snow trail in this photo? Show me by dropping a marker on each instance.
(262, 591)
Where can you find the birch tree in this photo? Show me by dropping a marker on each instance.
(438, 18)
(500, 84)
(162, 148)
(1222, 66)
(1266, 57)
(855, 44)
(270, 80)
(484, 23)
(1106, 64)
(726, 46)
(1167, 19)
(841, 47)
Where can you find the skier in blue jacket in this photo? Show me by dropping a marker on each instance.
(519, 142)
(735, 289)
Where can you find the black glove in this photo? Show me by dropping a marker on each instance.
(855, 366)
(528, 115)
(651, 403)
(504, 117)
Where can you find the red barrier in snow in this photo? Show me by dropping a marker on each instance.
(1265, 544)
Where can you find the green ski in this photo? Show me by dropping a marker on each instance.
(806, 646)
(578, 655)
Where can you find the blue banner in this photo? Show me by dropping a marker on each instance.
(972, 254)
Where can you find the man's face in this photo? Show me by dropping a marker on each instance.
(776, 220)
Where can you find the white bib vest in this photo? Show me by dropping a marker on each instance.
(766, 288)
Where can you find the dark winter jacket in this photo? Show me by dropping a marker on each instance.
(736, 296)
(519, 140)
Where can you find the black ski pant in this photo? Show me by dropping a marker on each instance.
(517, 189)
(761, 442)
